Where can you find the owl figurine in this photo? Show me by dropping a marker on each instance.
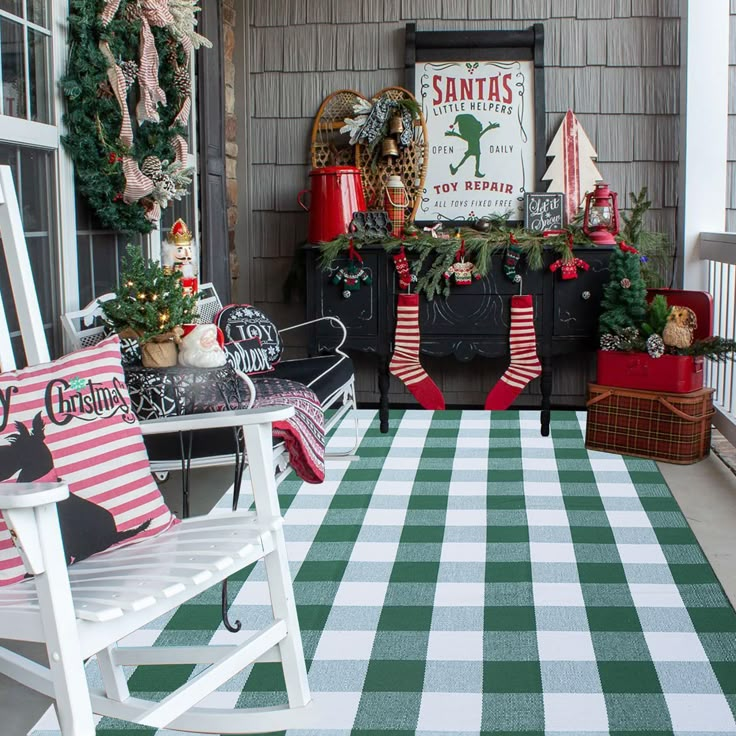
(679, 331)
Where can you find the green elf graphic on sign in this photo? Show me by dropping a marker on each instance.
(469, 129)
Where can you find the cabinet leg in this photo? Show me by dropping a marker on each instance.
(546, 395)
(384, 380)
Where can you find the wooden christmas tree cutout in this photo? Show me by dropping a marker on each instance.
(572, 169)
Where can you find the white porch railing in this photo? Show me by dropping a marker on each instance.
(719, 250)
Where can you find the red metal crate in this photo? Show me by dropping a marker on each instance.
(677, 374)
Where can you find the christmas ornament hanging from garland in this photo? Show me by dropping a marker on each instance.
(128, 99)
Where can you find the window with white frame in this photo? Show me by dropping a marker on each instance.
(28, 144)
(73, 258)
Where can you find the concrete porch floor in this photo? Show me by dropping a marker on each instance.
(705, 491)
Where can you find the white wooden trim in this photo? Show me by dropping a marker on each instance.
(28, 133)
(704, 88)
(718, 247)
(724, 423)
(154, 243)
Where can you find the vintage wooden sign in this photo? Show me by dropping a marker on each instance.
(544, 211)
(482, 96)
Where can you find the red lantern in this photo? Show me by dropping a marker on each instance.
(601, 221)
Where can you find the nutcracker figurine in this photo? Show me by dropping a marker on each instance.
(179, 254)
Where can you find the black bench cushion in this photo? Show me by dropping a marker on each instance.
(338, 371)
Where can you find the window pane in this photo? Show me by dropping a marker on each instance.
(13, 75)
(33, 174)
(12, 6)
(99, 252)
(38, 12)
(178, 208)
(39, 83)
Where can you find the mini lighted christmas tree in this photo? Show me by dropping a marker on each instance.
(149, 301)
(624, 303)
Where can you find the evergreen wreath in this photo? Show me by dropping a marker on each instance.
(127, 92)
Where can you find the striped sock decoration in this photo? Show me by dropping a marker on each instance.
(524, 365)
(405, 363)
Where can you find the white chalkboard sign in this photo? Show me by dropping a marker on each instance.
(544, 211)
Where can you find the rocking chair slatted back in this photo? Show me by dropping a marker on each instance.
(85, 610)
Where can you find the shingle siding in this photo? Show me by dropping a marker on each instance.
(614, 62)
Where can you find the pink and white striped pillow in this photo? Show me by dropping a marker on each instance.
(72, 420)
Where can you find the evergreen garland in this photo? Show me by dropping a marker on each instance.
(430, 256)
(715, 348)
(93, 117)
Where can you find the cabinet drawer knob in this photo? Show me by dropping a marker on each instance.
(586, 295)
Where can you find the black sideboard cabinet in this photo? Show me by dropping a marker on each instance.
(473, 321)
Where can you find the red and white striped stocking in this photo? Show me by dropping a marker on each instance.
(524, 365)
(405, 363)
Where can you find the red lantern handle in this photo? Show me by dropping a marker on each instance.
(614, 220)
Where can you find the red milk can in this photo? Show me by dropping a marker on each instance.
(336, 192)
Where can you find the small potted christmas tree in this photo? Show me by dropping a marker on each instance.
(624, 303)
(653, 341)
(150, 305)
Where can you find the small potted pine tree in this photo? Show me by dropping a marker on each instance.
(654, 341)
(150, 305)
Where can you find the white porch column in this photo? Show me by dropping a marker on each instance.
(704, 39)
(66, 225)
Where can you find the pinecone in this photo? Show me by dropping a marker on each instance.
(655, 346)
(130, 72)
(104, 89)
(629, 334)
(132, 12)
(151, 167)
(166, 185)
(182, 82)
(609, 342)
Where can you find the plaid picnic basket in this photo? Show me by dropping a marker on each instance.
(674, 428)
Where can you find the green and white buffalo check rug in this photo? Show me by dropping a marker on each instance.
(469, 576)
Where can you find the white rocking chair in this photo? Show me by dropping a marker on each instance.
(85, 610)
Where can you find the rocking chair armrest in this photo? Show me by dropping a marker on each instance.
(30, 512)
(217, 420)
(334, 321)
(30, 495)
